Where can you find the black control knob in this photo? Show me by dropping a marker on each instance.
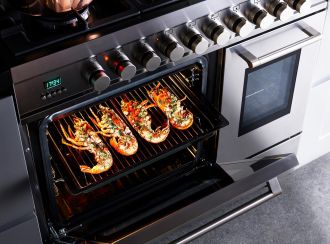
(121, 65)
(259, 17)
(238, 24)
(169, 46)
(95, 74)
(302, 6)
(216, 32)
(279, 9)
(192, 39)
(146, 56)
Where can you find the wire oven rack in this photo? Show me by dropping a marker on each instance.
(67, 159)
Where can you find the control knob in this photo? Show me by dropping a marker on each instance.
(302, 6)
(169, 46)
(216, 32)
(194, 40)
(146, 56)
(259, 17)
(94, 73)
(279, 9)
(121, 65)
(238, 24)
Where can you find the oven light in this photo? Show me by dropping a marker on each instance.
(93, 36)
(106, 58)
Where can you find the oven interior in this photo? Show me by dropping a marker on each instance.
(138, 189)
(68, 159)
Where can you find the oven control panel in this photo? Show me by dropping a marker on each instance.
(197, 37)
(127, 56)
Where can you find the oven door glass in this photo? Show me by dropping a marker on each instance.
(268, 92)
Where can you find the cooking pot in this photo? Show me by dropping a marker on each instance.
(50, 7)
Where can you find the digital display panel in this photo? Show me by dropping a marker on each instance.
(50, 84)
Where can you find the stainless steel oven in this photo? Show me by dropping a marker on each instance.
(266, 83)
(80, 188)
(145, 195)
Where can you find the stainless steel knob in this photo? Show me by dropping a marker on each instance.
(302, 6)
(169, 46)
(259, 17)
(238, 24)
(192, 39)
(216, 32)
(93, 72)
(279, 9)
(121, 65)
(146, 56)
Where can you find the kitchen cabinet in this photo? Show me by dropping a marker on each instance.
(315, 139)
(18, 221)
(322, 70)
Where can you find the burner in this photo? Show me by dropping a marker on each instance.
(73, 20)
(27, 36)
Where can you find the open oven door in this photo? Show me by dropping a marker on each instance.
(18, 222)
(187, 197)
(245, 175)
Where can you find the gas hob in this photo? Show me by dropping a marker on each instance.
(22, 35)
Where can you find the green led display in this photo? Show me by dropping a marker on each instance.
(50, 84)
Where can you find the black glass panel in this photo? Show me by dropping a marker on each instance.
(268, 92)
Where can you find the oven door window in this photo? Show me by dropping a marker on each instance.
(268, 92)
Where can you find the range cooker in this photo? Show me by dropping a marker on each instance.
(60, 68)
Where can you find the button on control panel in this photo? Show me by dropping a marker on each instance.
(169, 46)
(279, 9)
(94, 73)
(238, 24)
(302, 6)
(192, 39)
(53, 93)
(146, 56)
(121, 65)
(258, 16)
(215, 31)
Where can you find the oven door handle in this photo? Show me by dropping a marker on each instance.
(253, 61)
(274, 190)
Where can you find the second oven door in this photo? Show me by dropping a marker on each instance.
(265, 88)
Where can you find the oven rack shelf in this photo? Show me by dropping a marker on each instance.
(207, 121)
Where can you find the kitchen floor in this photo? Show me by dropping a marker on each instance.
(300, 215)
